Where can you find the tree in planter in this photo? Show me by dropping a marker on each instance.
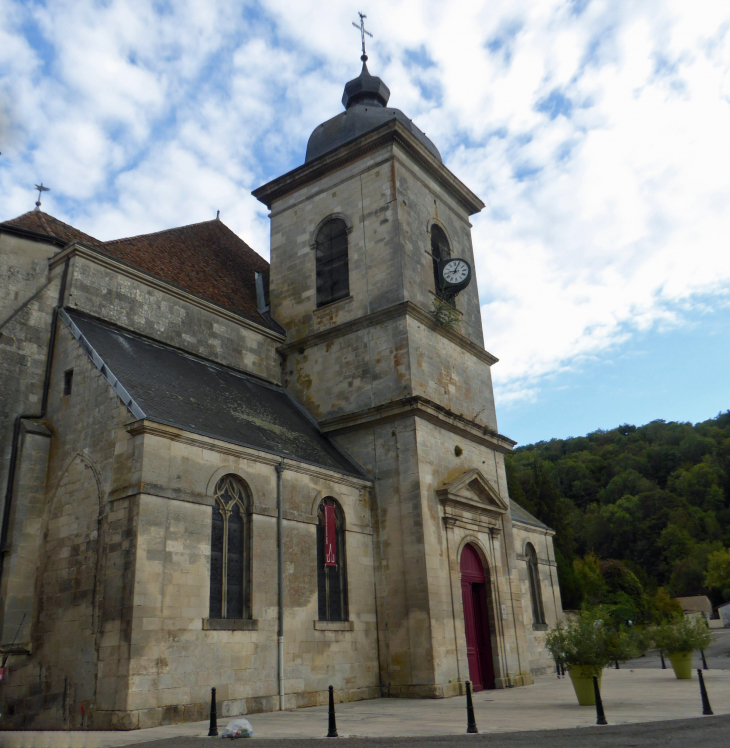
(586, 644)
(679, 639)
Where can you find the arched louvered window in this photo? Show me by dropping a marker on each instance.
(538, 613)
(331, 562)
(333, 278)
(230, 550)
(440, 250)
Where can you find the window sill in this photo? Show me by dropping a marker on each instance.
(334, 625)
(230, 624)
(540, 627)
(329, 305)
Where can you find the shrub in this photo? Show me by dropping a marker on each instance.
(682, 636)
(588, 641)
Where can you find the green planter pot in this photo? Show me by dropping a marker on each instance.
(582, 678)
(682, 664)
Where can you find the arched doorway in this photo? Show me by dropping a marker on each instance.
(476, 620)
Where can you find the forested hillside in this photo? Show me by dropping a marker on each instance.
(647, 506)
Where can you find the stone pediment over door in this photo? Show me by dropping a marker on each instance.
(472, 501)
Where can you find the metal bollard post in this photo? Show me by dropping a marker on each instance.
(332, 729)
(706, 708)
(213, 731)
(704, 661)
(664, 664)
(600, 716)
(471, 724)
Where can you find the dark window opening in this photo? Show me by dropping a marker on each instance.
(440, 250)
(533, 573)
(68, 379)
(230, 545)
(332, 580)
(333, 279)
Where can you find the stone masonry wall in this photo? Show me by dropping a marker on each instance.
(539, 658)
(59, 684)
(174, 660)
(130, 303)
(24, 340)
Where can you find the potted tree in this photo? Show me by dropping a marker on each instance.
(585, 645)
(678, 639)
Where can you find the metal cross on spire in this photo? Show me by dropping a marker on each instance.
(363, 31)
(40, 189)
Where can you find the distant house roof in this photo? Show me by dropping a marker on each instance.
(522, 515)
(172, 387)
(206, 259)
(45, 226)
(696, 604)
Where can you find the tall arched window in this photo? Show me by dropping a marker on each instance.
(538, 614)
(229, 551)
(333, 278)
(440, 250)
(331, 562)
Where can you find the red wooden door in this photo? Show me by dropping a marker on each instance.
(476, 620)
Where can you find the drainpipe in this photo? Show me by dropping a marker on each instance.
(16, 426)
(280, 576)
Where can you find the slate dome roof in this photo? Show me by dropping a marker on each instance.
(366, 108)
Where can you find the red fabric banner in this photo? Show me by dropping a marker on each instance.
(330, 539)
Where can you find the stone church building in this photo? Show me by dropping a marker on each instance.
(266, 478)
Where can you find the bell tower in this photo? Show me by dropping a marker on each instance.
(385, 348)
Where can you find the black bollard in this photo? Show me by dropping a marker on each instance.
(704, 661)
(471, 724)
(213, 731)
(664, 664)
(706, 708)
(600, 716)
(332, 729)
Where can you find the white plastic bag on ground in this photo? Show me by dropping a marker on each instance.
(238, 728)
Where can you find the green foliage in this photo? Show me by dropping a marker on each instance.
(655, 498)
(718, 571)
(444, 314)
(684, 635)
(588, 640)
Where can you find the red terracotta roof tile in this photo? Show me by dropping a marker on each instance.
(42, 223)
(206, 259)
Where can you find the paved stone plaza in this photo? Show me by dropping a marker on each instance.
(630, 696)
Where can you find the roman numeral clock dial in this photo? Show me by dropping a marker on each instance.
(455, 275)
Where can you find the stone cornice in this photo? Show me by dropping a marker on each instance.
(392, 132)
(110, 263)
(404, 308)
(533, 528)
(175, 434)
(423, 408)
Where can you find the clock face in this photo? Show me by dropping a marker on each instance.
(455, 272)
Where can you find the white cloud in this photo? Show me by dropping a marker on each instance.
(141, 117)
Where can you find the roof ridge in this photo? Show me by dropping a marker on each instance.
(174, 228)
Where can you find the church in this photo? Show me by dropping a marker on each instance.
(267, 478)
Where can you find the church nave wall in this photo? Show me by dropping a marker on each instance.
(133, 302)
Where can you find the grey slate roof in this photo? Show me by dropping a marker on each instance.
(175, 388)
(522, 515)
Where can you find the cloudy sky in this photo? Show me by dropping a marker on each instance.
(597, 133)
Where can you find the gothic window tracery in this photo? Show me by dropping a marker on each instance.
(331, 579)
(538, 613)
(230, 550)
(333, 279)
